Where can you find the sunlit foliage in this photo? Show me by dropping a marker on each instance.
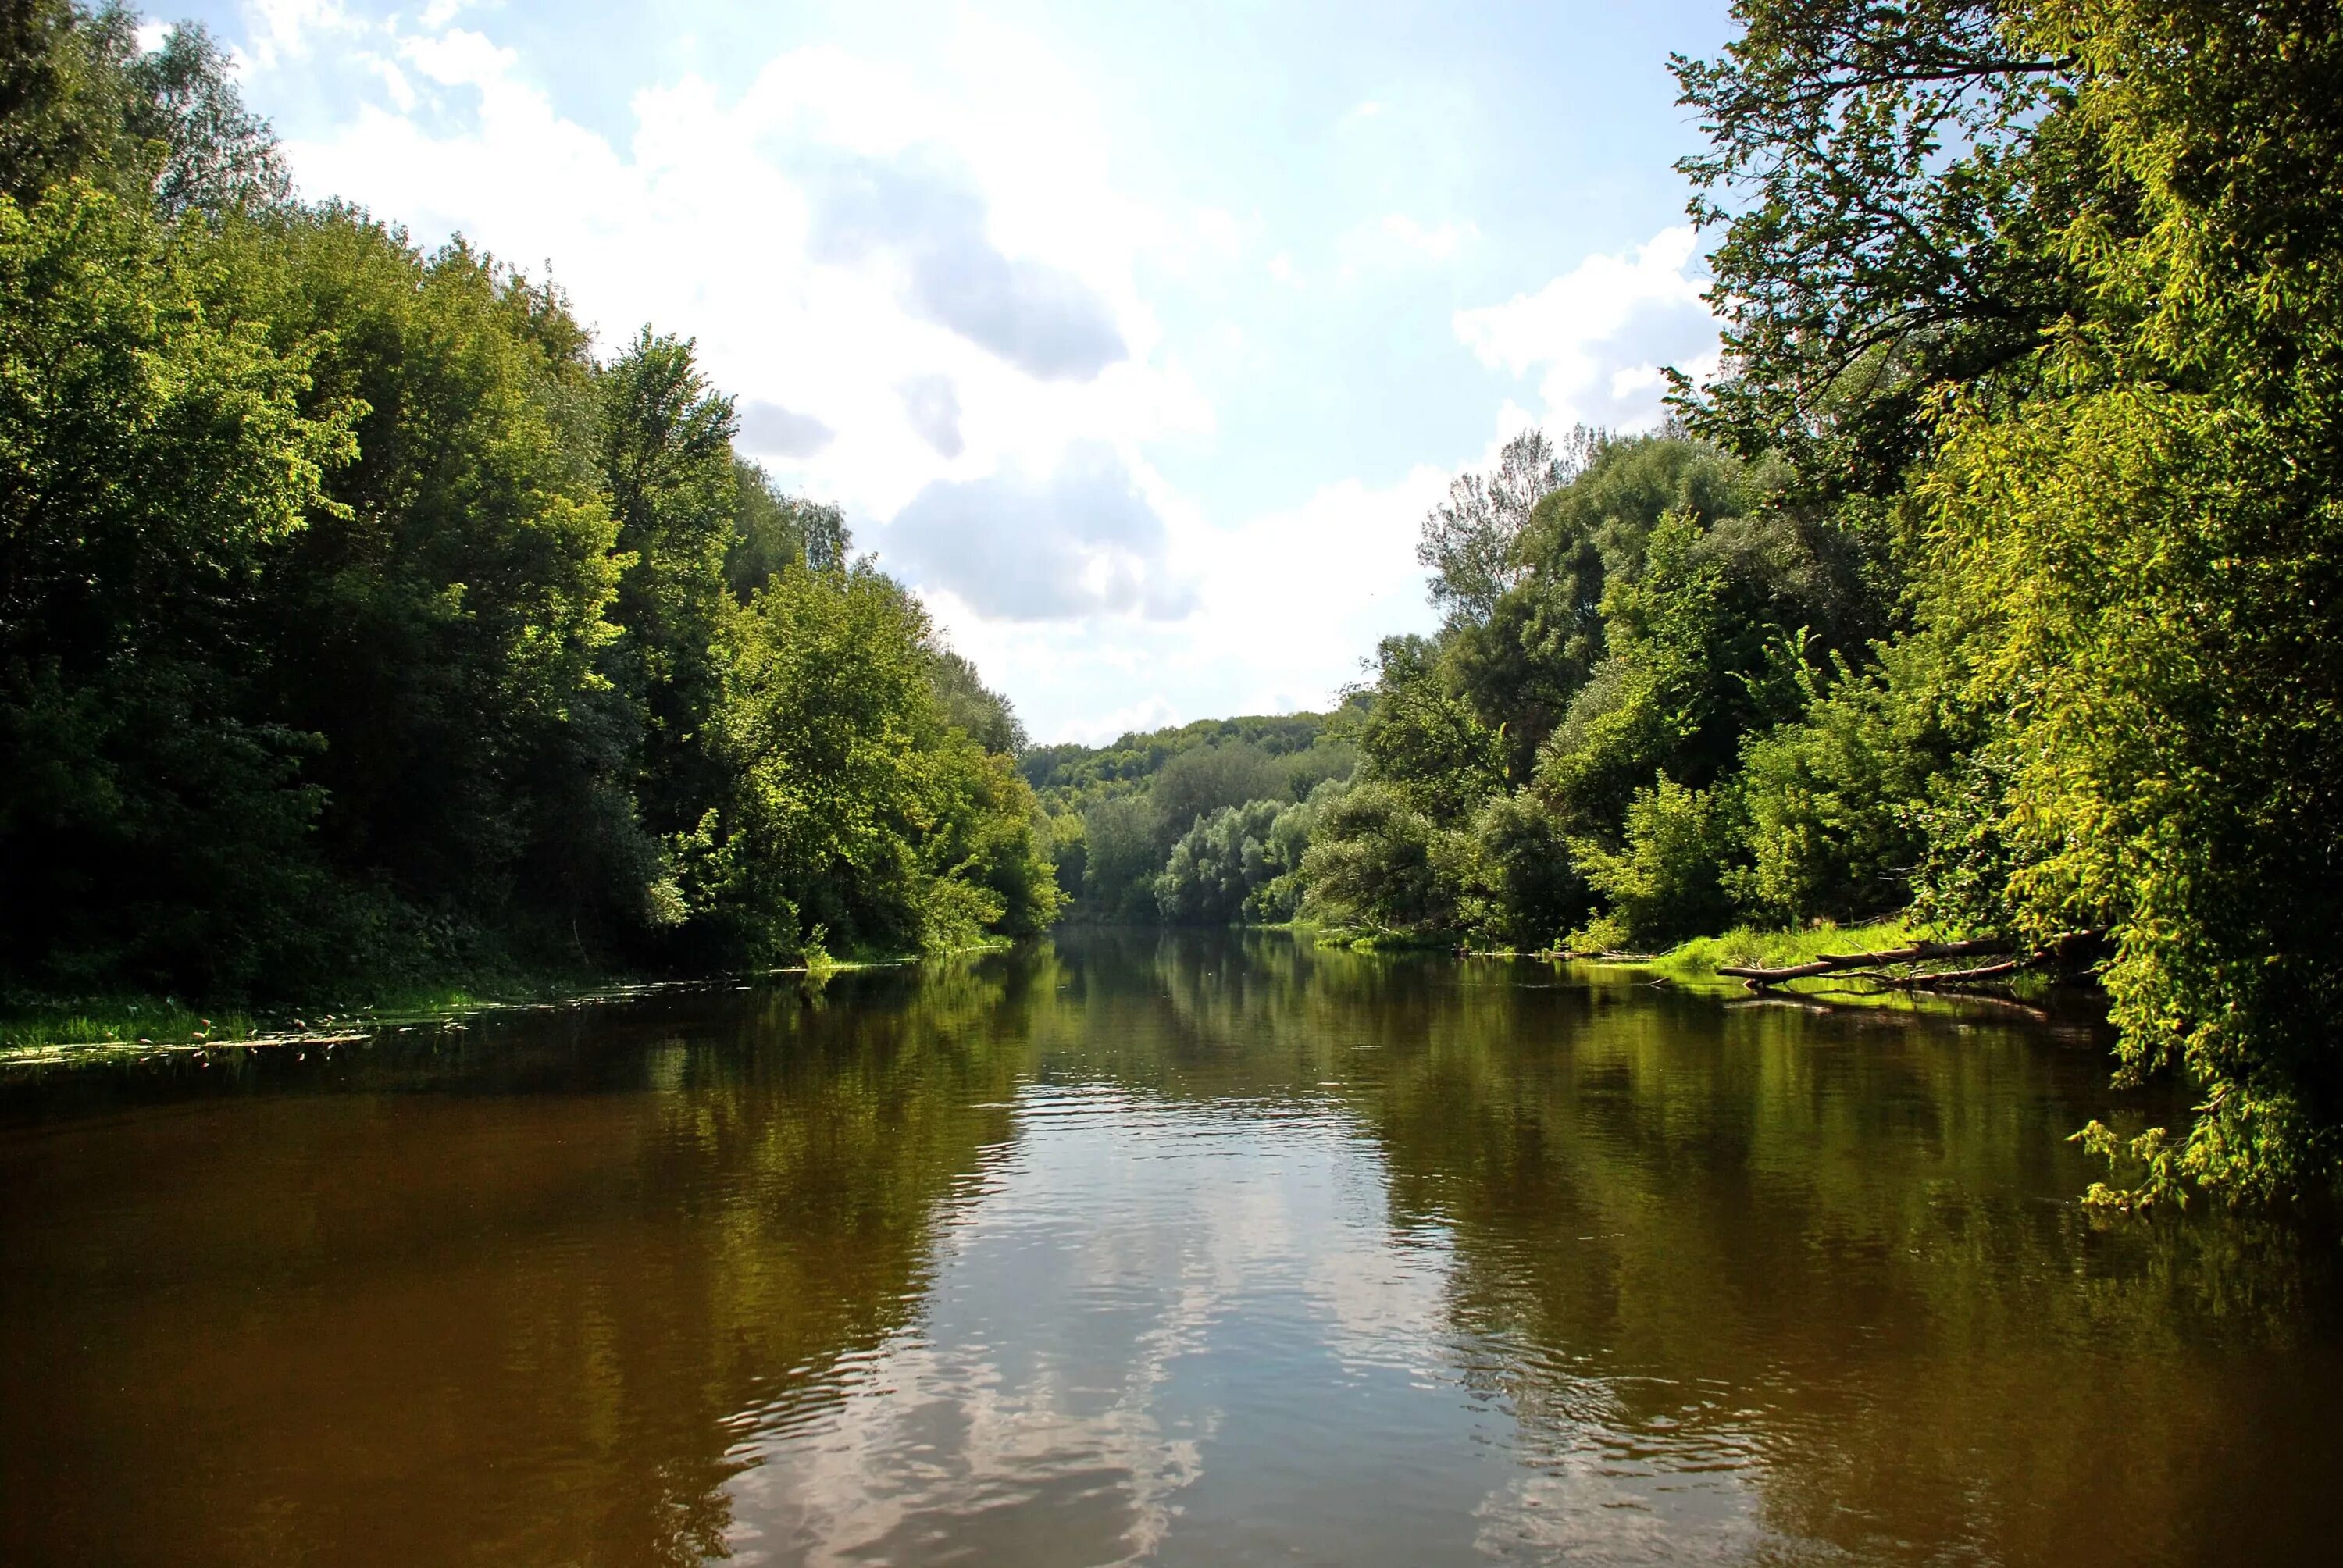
(1998, 572)
(359, 619)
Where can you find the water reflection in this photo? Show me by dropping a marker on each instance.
(1195, 1247)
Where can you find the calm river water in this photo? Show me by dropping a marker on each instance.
(1206, 1249)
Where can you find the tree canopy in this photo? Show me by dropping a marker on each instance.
(358, 619)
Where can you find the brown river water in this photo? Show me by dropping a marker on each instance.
(1193, 1249)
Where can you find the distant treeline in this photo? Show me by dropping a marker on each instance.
(1202, 824)
(1998, 574)
(357, 619)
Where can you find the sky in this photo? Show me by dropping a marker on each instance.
(1138, 339)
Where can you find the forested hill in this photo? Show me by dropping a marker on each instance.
(1090, 770)
(1158, 825)
(361, 620)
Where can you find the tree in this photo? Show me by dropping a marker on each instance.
(217, 155)
(1382, 864)
(974, 706)
(666, 448)
(1220, 863)
(860, 817)
(1121, 860)
(1206, 779)
(153, 819)
(1468, 543)
(2095, 243)
(1523, 666)
(771, 530)
(80, 99)
(1890, 180)
(356, 621)
(1664, 881)
(444, 625)
(1423, 739)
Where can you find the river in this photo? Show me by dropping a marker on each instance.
(1181, 1249)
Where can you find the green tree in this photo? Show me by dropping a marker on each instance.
(771, 530)
(2095, 243)
(1890, 181)
(1666, 881)
(861, 816)
(154, 821)
(1382, 864)
(1219, 864)
(1120, 858)
(1842, 805)
(78, 98)
(1545, 635)
(976, 708)
(1207, 779)
(1421, 737)
(444, 626)
(1470, 543)
(666, 450)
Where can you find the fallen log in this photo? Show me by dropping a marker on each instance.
(1832, 963)
(1870, 966)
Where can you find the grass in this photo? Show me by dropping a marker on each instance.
(45, 1031)
(41, 1028)
(1694, 964)
(1746, 946)
(1380, 941)
(34, 1025)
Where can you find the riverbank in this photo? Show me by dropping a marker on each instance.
(44, 1030)
(1696, 965)
(36, 1031)
(1747, 946)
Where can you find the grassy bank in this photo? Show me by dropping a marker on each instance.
(35, 1029)
(43, 1027)
(1746, 946)
(1694, 964)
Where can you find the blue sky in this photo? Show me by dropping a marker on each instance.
(1137, 339)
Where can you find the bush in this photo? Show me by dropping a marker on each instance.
(1523, 888)
(1381, 865)
(1837, 803)
(1667, 883)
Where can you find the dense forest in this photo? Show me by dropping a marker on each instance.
(1997, 576)
(358, 617)
(1202, 824)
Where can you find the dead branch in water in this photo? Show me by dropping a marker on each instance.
(1888, 968)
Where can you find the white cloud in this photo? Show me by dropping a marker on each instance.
(1040, 317)
(1147, 713)
(923, 286)
(1438, 242)
(462, 58)
(1601, 332)
(931, 404)
(769, 430)
(284, 29)
(722, 219)
(394, 82)
(1287, 605)
(1081, 540)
